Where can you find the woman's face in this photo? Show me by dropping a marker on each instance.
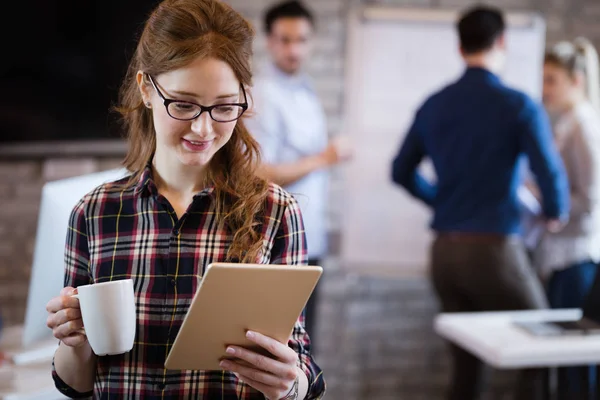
(205, 81)
(559, 88)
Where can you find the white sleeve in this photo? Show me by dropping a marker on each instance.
(585, 182)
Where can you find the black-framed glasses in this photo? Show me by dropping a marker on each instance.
(187, 110)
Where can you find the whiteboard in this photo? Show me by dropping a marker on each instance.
(396, 58)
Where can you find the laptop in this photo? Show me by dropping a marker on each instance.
(588, 324)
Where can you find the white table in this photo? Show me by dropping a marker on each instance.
(495, 339)
(31, 377)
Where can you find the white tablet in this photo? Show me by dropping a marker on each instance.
(234, 298)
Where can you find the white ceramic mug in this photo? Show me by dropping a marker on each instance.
(109, 318)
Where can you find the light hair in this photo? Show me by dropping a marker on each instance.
(579, 56)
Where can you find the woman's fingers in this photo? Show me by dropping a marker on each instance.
(281, 351)
(74, 340)
(68, 328)
(61, 302)
(254, 374)
(64, 318)
(262, 363)
(66, 315)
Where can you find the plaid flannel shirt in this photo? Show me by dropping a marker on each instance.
(135, 233)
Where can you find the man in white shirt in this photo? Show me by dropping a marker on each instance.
(289, 123)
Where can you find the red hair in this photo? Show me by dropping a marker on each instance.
(176, 33)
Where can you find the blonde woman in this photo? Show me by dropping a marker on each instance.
(568, 259)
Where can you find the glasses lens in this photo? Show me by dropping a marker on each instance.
(183, 110)
(226, 113)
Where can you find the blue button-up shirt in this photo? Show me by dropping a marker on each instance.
(476, 132)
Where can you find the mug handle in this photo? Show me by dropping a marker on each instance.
(82, 330)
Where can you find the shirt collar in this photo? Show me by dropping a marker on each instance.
(480, 73)
(147, 187)
(298, 80)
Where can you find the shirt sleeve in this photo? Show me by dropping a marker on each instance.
(290, 248)
(265, 126)
(76, 274)
(536, 140)
(404, 166)
(585, 159)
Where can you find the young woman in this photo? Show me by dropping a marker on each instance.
(193, 198)
(568, 259)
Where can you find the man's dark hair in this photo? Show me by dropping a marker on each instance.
(287, 9)
(479, 28)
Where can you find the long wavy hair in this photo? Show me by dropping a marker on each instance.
(176, 33)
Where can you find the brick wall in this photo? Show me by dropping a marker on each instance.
(399, 350)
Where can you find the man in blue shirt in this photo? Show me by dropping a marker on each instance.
(290, 125)
(477, 132)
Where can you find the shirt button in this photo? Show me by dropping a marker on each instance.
(173, 282)
(162, 386)
(176, 232)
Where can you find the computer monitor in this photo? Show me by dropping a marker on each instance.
(47, 273)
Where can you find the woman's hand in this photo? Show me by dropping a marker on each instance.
(272, 377)
(65, 318)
